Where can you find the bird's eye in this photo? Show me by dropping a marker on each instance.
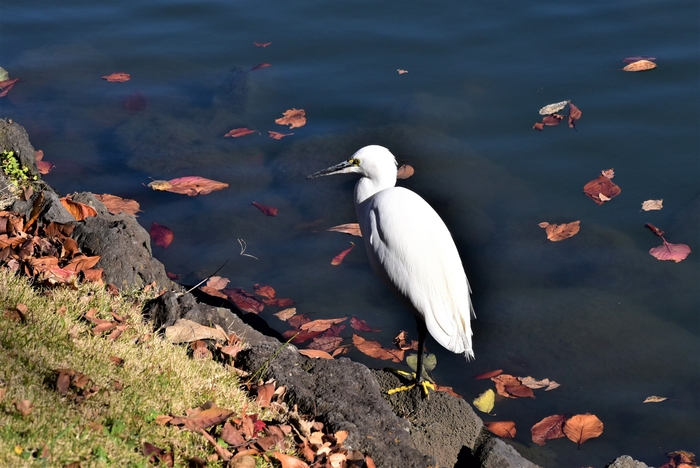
(355, 162)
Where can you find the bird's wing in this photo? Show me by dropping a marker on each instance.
(410, 247)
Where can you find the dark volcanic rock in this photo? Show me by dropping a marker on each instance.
(626, 461)
(13, 137)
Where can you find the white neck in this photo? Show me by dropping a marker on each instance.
(366, 187)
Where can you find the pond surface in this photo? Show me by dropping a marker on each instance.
(596, 312)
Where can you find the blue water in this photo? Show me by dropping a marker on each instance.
(595, 312)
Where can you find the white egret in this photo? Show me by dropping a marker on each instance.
(412, 251)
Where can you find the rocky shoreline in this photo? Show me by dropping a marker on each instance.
(401, 430)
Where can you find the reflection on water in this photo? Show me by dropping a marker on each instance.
(595, 312)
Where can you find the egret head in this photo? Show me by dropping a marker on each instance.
(373, 162)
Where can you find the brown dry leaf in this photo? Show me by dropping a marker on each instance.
(405, 171)
(116, 205)
(7, 85)
(549, 428)
(161, 235)
(293, 117)
(338, 259)
(574, 114)
(213, 292)
(538, 126)
(187, 331)
(264, 394)
(288, 461)
(489, 374)
(245, 301)
(326, 343)
(558, 232)
(262, 44)
(669, 251)
(119, 77)
(268, 210)
(361, 325)
(640, 65)
(286, 314)
(239, 132)
(207, 418)
(552, 120)
(260, 65)
(231, 435)
(321, 325)
(315, 353)
(350, 228)
(601, 189)
(582, 427)
(533, 383)
(44, 167)
(650, 205)
(82, 262)
(265, 291)
(80, 211)
(373, 349)
(654, 399)
(217, 282)
(24, 407)
(337, 460)
(401, 342)
(190, 185)
(505, 429)
(278, 135)
(3, 392)
(510, 387)
(448, 390)
(116, 360)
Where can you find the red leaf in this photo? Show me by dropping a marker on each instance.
(654, 229)
(267, 292)
(268, 210)
(668, 251)
(321, 325)
(538, 126)
(488, 375)
(262, 44)
(505, 429)
(245, 301)
(190, 185)
(161, 235)
(279, 302)
(338, 259)
(278, 135)
(260, 65)
(373, 349)
(550, 427)
(361, 325)
(551, 120)
(6, 86)
(574, 115)
(239, 132)
(351, 228)
(43, 166)
(117, 77)
(601, 186)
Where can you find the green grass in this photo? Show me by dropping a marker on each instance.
(110, 427)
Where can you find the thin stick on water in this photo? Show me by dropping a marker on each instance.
(243, 247)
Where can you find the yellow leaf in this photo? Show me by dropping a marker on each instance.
(485, 401)
(18, 449)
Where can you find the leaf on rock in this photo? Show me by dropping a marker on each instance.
(549, 428)
(190, 185)
(404, 171)
(654, 399)
(315, 353)
(80, 211)
(278, 135)
(117, 77)
(116, 205)
(485, 401)
(601, 189)
(650, 205)
(373, 349)
(268, 210)
(295, 118)
(505, 429)
(350, 228)
(582, 427)
(669, 251)
(162, 236)
(239, 132)
(640, 65)
(558, 232)
(338, 259)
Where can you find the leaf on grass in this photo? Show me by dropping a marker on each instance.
(80, 211)
(190, 185)
(550, 109)
(321, 325)
(286, 314)
(574, 114)
(116, 205)
(82, 262)
(650, 205)
(669, 251)
(485, 401)
(43, 166)
(162, 236)
(295, 118)
(278, 135)
(405, 171)
(24, 407)
(315, 353)
(549, 428)
(268, 210)
(601, 189)
(264, 394)
(640, 65)
(373, 349)
(350, 228)
(288, 461)
(187, 331)
(207, 418)
(361, 325)
(260, 65)
(338, 259)
(117, 77)
(239, 132)
(558, 232)
(582, 427)
(505, 429)
(489, 374)
(654, 399)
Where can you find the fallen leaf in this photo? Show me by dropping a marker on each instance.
(601, 185)
(264, 394)
(315, 353)
(338, 259)
(262, 44)
(533, 383)
(680, 459)
(117, 77)
(279, 302)
(485, 401)
(80, 211)
(239, 132)
(404, 171)
(489, 374)
(402, 72)
(260, 65)
(558, 232)
(24, 407)
(326, 343)
(44, 167)
(505, 429)
(265, 291)
(7, 85)
(190, 185)
(116, 205)
(373, 349)
(217, 282)
(286, 314)
(268, 210)
(654, 399)
(278, 135)
(582, 427)
(510, 387)
(295, 118)
(552, 385)
(552, 120)
(552, 108)
(538, 126)
(162, 236)
(448, 390)
(401, 342)
(669, 251)
(288, 461)
(640, 65)
(351, 228)
(245, 301)
(207, 418)
(361, 325)
(549, 428)
(650, 205)
(187, 331)
(317, 326)
(298, 320)
(574, 114)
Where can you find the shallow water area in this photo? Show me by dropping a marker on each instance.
(596, 312)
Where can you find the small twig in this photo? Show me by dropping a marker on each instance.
(243, 247)
(223, 453)
(206, 279)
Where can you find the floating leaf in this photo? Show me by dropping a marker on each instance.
(640, 65)
(268, 210)
(351, 228)
(117, 77)
(6, 86)
(293, 117)
(558, 232)
(315, 353)
(262, 44)
(574, 114)
(44, 167)
(650, 205)
(489, 374)
(217, 282)
(485, 401)
(538, 126)
(260, 65)
(402, 72)
(190, 185)
(552, 108)
(244, 301)
(321, 325)
(264, 291)
(511, 387)
(278, 135)
(654, 399)
(162, 236)
(373, 349)
(338, 259)
(601, 189)
(582, 427)
(361, 325)
(505, 429)
(239, 132)
(549, 428)
(552, 120)
(668, 251)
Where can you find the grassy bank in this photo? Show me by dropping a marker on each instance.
(103, 421)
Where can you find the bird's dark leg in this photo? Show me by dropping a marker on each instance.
(424, 384)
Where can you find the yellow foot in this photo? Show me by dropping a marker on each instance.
(424, 384)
